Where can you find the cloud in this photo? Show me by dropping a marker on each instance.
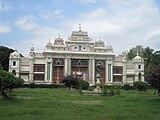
(4, 6)
(49, 14)
(122, 23)
(87, 1)
(4, 29)
(38, 35)
(26, 23)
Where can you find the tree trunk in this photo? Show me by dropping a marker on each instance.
(4, 95)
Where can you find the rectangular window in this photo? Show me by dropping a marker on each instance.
(139, 66)
(109, 72)
(39, 68)
(48, 71)
(38, 76)
(117, 78)
(14, 63)
(117, 69)
(79, 48)
(139, 76)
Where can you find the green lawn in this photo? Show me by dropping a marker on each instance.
(62, 104)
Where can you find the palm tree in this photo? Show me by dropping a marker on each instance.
(151, 59)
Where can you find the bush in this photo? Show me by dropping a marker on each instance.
(83, 84)
(110, 91)
(32, 85)
(140, 86)
(71, 82)
(8, 82)
(127, 87)
(91, 88)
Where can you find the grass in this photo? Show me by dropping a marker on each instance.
(62, 104)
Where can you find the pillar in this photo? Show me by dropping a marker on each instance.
(93, 71)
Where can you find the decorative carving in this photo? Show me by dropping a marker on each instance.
(58, 61)
(79, 62)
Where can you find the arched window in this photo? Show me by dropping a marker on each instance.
(139, 77)
(14, 72)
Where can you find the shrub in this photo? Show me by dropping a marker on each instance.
(91, 88)
(140, 86)
(110, 91)
(32, 85)
(83, 84)
(80, 91)
(71, 82)
(104, 91)
(8, 82)
(127, 87)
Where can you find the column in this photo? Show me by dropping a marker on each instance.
(109, 71)
(51, 70)
(124, 79)
(31, 71)
(90, 71)
(106, 72)
(66, 66)
(69, 66)
(93, 71)
(48, 70)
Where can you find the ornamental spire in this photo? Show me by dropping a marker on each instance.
(59, 35)
(79, 27)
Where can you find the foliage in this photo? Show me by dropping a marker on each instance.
(80, 91)
(140, 86)
(127, 87)
(133, 52)
(32, 85)
(154, 80)
(152, 59)
(110, 90)
(71, 82)
(83, 84)
(7, 83)
(4, 57)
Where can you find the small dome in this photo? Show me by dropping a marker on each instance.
(15, 54)
(59, 41)
(137, 57)
(49, 44)
(32, 48)
(99, 40)
(109, 47)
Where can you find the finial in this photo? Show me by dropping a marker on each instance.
(58, 35)
(99, 37)
(137, 54)
(49, 40)
(32, 48)
(79, 27)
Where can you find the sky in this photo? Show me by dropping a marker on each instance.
(123, 24)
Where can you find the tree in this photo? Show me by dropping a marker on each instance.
(133, 52)
(4, 57)
(7, 83)
(154, 80)
(71, 81)
(150, 59)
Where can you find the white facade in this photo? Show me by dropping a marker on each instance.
(79, 56)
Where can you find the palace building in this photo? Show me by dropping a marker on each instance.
(79, 56)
